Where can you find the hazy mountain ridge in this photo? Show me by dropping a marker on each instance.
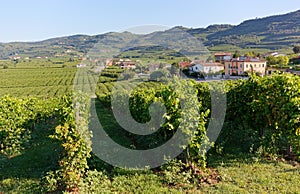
(271, 32)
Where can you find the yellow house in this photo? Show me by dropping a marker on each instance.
(241, 65)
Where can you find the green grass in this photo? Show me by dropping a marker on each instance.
(252, 175)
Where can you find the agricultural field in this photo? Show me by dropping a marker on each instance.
(44, 79)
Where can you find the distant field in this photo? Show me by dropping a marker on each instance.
(48, 80)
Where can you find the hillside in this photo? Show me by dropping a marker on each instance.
(273, 32)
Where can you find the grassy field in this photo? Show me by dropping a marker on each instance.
(249, 174)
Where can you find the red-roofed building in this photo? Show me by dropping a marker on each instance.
(184, 65)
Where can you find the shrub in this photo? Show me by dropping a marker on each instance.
(17, 119)
(159, 75)
(263, 112)
(74, 136)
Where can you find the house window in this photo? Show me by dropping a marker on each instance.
(228, 72)
(241, 72)
(254, 65)
(241, 65)
(228, 65)
(246, 65)
(263, 65)
(259, 65)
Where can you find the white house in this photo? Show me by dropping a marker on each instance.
(196, 68)
(81, 65)
(207, 68)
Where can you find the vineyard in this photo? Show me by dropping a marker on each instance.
(264, 110)
(46, 136)
(45, 82)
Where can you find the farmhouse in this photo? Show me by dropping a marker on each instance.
(206, 67)
(241, 66)
(126, 64)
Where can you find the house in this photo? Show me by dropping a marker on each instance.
(206, 67)
(127, 65)
(185, 65)
(196, 68)
(81, 65)
(222, 57)
(240, 66)
(109, 62)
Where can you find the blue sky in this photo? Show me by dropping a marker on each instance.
(32, 20)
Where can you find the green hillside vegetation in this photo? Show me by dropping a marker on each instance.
(270, 33)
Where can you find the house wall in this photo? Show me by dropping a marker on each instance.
(197, 68)
(213, 69)
(231, 67)
(239, 67)
(259, 66)
(206, 68)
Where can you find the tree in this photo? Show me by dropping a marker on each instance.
(271, 60)
(159, 75)
(127, 75)
(250, 54)
(282, 60)
(236, 54)
(142, 66)
(296, 49)
(175, 69)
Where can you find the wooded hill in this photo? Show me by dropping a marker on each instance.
(271, 33)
